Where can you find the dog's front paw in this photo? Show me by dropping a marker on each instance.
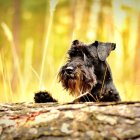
(43, 97)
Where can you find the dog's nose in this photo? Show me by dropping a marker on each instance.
(69, 70)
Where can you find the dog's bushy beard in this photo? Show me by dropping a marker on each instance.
(82, 80)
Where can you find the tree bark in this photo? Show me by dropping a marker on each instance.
(84, 121)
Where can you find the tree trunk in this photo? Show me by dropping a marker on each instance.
(84, 121)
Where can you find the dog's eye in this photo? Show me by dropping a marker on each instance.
(75, 52)
(88, 63)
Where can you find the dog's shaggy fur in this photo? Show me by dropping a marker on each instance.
(87, 72)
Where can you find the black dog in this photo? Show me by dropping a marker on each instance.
(87, 74)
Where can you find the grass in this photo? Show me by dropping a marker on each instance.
(21, 75)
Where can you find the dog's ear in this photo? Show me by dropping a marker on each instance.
(104, 49)
(77, 43)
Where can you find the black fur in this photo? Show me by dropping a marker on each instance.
(43, 97)
(87, 71)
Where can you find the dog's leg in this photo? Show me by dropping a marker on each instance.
(110, 94)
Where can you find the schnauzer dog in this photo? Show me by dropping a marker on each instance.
(86, 74)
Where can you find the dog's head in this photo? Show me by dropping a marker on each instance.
(78, 74)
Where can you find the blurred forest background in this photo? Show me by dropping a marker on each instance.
(36, 34)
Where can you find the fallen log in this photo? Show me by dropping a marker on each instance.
(84, 121)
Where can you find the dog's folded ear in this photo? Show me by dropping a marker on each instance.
(104, 49)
